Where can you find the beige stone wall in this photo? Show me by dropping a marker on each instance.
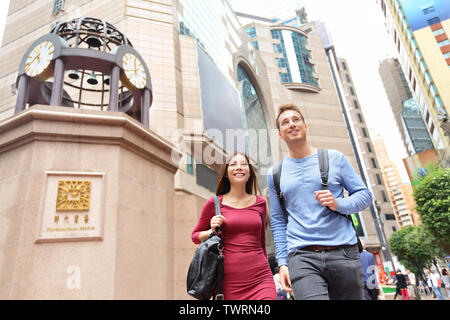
(134, 258)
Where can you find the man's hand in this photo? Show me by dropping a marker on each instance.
(326, 199)
(284, 279)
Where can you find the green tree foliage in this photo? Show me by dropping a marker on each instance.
(432, 196)
(414, 248)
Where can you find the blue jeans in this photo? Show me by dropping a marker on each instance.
(324, 275)
(438, 293)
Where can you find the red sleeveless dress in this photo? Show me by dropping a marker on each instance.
(247, 272)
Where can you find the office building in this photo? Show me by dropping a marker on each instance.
(406, 112)
(399, 193)
(420, 31)
(367, 152)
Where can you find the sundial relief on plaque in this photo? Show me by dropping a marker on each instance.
(72, 207)
(73, 196)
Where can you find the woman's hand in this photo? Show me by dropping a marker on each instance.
(216, 222)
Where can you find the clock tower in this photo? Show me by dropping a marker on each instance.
(85, 63)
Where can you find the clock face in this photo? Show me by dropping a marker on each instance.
(39, 58)
(134, 70)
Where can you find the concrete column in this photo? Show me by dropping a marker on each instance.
(145, 106)
(58, 81)
(114, 89)
(22, 92)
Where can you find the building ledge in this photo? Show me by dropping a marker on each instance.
(302, 87)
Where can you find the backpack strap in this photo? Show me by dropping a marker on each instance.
(276, 173)
(324, 168)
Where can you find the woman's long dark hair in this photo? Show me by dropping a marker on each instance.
(223, 184)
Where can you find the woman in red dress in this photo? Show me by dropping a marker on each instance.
(247, 273)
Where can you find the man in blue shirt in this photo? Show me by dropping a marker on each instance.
(316, 248)
(371, 291)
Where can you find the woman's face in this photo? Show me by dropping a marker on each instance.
(238, 170)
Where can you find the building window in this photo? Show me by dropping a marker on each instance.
(255, 119)
(383, 195)
(433, 21)
(190, 164)
(389, 216)
(206, 177)
(378, 179)
(351, 91)
(374, 164)
(355, 103)
(281, 62)
(364, 132)
(255, 44)
(360, 118)
(348, 78)
(369, 149)
(447, 55)
(251, 32)
(428, 10)
(277, 48)
(344, 66)
(58, 6)
(443, 43)
(184, 30)
(438, 32)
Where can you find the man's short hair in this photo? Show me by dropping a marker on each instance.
(285, 107)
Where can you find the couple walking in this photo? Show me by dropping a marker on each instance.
(315, 244)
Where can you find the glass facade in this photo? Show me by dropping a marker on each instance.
(296, 57)
(284, 62)
(257, 134)
(418, 138)
(201, 19)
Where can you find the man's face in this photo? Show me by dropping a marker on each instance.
(292, 127)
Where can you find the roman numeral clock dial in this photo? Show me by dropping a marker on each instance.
(134, 70)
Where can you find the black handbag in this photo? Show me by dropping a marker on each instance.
(206, 270)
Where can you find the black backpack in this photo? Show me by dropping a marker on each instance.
(323, 165)
(206, 270)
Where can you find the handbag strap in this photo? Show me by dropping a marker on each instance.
(220, 267)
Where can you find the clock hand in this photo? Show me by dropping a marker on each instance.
(29, 64)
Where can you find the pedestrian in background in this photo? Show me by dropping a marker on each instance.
(282, 295)
(446, 282)
(371, 290)
(315, 245)
(247, 274)
(411, 283)
(401, 285)
(433, 282)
